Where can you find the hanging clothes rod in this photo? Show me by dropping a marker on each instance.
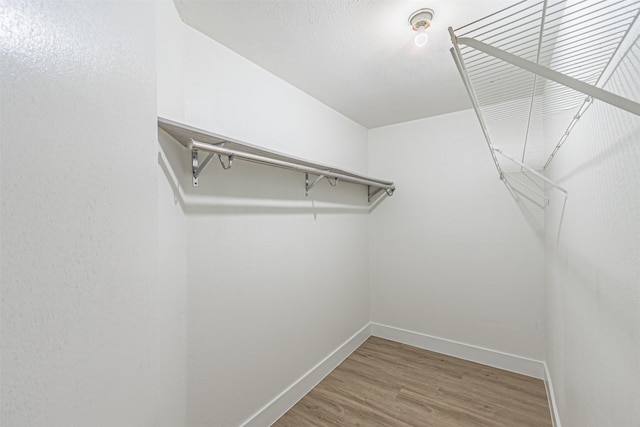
(239, 155)
(228, 150)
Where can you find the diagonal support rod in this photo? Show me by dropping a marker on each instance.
(308, 186)
(457, 58)
(205, 162)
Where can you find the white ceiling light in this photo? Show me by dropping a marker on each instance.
(420, 20)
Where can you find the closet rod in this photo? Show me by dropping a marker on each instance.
(239, 155)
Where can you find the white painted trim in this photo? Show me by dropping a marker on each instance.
(551, 396)
(485, 356)
(280, 404)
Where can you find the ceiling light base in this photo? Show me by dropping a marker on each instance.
(421, 18)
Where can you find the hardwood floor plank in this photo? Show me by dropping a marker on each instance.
(384, 383)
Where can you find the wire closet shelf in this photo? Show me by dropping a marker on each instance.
(228, 150)
(537, 58)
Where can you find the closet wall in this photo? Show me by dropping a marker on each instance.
(129, 298)
(593, 263)
(276, 281)
(92, 329)
(453, 254)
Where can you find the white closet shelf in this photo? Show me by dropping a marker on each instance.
(539, 57)
(230, 149)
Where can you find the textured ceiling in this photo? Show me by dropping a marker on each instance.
(356, 56)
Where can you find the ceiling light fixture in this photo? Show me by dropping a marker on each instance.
(420, 20)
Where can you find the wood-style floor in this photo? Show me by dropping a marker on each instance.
(384, 383)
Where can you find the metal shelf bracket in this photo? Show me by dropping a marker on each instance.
(197, 167)
(376, 191)
(229, 161)
(308, 186)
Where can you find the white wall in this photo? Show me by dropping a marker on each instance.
(171, 289)
(113, 267)
(276, 281)
(593, 268)
(91, 331)
(453, 255)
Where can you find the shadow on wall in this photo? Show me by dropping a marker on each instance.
(613, 147)
(621, 147)
(623, 81)
(249, 188)
(528, 193)
(598, 288)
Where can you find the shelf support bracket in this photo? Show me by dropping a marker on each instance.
(308, 186)
(229, 161)
(198, 169)
(377, 190)
(195, 169)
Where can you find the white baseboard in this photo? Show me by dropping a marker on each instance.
(551, 396)
(273, 410)
(280, 404)
(485, 356)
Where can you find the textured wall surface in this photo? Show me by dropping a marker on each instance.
(277, 281)
(593, 264)
(84, 315)
(113, 267)
(453, 254)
